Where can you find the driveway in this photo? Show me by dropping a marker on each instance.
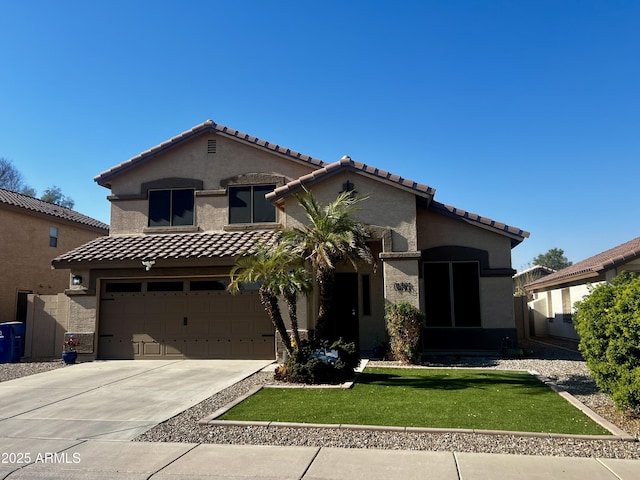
(112, 400)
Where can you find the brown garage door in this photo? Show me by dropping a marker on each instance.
(182, 319)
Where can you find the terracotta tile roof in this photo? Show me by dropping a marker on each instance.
(346, 163)
(592, 266)
(120, 248)
(517, 234)
(14, 199)
(105, 177)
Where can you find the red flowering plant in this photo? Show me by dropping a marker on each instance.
(70, 344)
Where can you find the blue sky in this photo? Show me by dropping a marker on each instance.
(527, 112)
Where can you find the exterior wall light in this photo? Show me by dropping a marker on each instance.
(76, 280)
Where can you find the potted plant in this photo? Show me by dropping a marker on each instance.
(69, 354)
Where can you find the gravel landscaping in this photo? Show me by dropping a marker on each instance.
(10, 371)
(564, 367)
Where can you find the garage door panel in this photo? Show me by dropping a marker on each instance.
(198, 305)
(241, 349)
(198, 325)
(112, 348)
(175, 305)
(245, 304)
(221, 303)
(197, 349)
(174, 347)
(150, 349)
(153, 305)
(174, 325)
(240, 326)
(187, 324)
(219, 326)
(264, 348)
(219, 349)
(153, 327)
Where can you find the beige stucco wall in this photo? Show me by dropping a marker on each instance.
(496, 302)
(26, 256)
(386, 206)
(496, 293)
(192, 161)
(438, 230)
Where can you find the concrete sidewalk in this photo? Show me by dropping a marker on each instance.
(95, 459)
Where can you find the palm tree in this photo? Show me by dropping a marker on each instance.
(332, 235)
(288, 283)
(280, 273)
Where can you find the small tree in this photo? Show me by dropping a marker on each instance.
(263, 266)
(608, 323)
(554, 258)
(11, 178)
(54, 195)
(404, 325)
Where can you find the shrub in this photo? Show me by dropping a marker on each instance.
(303, 368)
(608, 323)
(404, 325)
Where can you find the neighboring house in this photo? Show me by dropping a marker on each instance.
(529, 275)
(33, 233)
(554, 296)
(182, 211)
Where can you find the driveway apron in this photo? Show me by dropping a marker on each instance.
(112, 400)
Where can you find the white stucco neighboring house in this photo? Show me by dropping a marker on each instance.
(554, 296)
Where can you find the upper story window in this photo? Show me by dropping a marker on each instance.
(170, 208)
(53, 236)
(248, 205)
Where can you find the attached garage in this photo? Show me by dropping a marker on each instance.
(181, 318)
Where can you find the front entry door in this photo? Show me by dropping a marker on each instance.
(343, 321)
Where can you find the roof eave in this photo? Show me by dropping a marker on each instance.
(209, 126)
(578, 277)
(333, 169)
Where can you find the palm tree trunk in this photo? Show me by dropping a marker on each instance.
(326, 280)
(270, 303)
(293, 316)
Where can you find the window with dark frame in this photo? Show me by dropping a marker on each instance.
(247, 204)
(452, 296)
(171, 208)
(123, 287)
(53, 236)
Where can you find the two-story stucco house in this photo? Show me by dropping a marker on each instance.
(33, 232)
(183, 210)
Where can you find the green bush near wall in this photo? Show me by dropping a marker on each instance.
(608, 323)
(404, 325)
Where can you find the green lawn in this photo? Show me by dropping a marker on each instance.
(446, 398)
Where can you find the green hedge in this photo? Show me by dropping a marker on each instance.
(608, 323)
(404, 325)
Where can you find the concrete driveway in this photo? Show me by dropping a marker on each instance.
(112, 400)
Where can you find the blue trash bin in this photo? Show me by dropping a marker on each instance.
(12, 341)
(6, 334)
